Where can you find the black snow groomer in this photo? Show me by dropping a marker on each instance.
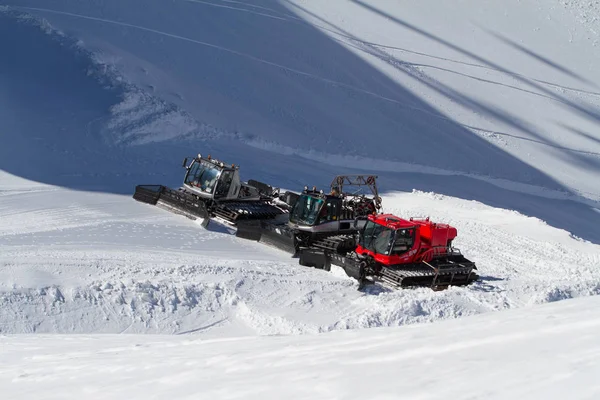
(318, 219)
(212, 189)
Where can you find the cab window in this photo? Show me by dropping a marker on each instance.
(306, 210)
(330, 211)
(224, 184)
(404, 240)
(376, 238)
(203, 175)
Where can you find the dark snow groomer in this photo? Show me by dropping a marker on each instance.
(213, 189)
(318, 219)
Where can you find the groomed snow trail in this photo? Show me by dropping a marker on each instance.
(83, 262)
(97, 97)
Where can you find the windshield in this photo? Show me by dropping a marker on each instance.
(376, 238)
(306, 210)
(203, 175)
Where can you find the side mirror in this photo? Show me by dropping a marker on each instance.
(184, 165)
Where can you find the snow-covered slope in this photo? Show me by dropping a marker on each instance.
(488, 109)
(547, 352)
(495, 102)
(84, 262)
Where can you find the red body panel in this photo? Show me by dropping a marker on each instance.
(430, 240)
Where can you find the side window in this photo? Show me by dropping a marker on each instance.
(224, 184)
(334, 209)
(330, 211)
(374, 244)
(404, 241)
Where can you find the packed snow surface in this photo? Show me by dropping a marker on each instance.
(547, 352)
(85, 262)
(483, 115)
(497, 102)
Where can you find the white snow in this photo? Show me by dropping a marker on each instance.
(85, 262)
(509, 75)
(551, 351)
(483, 115)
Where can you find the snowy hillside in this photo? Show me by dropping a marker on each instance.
(82, 262)
(549, 352)
(483, 115)
(496, 103)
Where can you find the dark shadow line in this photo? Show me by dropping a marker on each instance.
(340, 32)
(579, 132)
(469, 103)
(406, 63)
(536, 56)
(410, 69)
(454, 95)
(202, 328)
(583, 110)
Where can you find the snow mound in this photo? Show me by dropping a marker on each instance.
(463, 109)
(117, 266)
(544, 352)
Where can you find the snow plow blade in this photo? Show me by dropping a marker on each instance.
(182, 202)
(236, 211)
(315, 258)
(249, 230)
(147, 193)
(277, 235)
(322, 259)
(176, 201)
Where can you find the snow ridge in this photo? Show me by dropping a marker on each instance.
(140, 117)
(132, 268)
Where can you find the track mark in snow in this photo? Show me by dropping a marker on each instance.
(257, 7)
(205, 327)
(437, 115)
(235, 8)
(346, 35)
(398, 166)
(187, 126)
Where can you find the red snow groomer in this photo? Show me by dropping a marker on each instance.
(400, 253)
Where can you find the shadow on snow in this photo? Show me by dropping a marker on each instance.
(249, 72)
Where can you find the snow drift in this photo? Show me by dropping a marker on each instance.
(500, 116)
(529, 354)
(84, 263)
(97, 97)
